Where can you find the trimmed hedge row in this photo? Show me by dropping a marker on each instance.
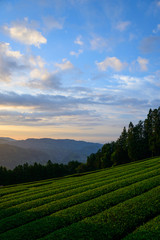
(45, 192)
(6, 212)
(114, 223)
(12, 191)
(148, 231)
(76, 213)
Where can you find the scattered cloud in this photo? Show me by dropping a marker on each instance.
(42, 79)
(36, 61)
(41, 87)
(24, 34)
(143, 62)
(128, 82)
(79, 41)
(122, 26)
(99, 43)
(39, 77)
(6, 50)
(10, 61)
(51, 23)
(36, 75)
(76, 53)
(65, 65)
(111, 62)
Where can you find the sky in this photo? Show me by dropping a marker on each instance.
(77, 69)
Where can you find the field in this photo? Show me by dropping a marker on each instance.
(122, 202)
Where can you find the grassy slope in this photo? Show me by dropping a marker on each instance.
(116, 203)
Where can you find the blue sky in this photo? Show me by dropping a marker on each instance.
(80, 69)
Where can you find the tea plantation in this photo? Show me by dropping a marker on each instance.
(121, 202)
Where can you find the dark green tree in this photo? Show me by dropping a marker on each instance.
(107, 151)
(120, 155)
(72, 166)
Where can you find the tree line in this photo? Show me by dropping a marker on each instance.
(138, 142)
(28, 173)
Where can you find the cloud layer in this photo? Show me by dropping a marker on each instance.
(86, 67)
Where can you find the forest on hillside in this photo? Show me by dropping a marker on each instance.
(138, 142)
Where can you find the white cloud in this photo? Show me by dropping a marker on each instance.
(128, 82)
(142, 63)
(122, 26)
(76, 53)
(157, 29)
(25, 34)
(37, 73)
(111, 62)
(36, 61)
(13, 63)
(40, 77)
(6, 50)
(79, 41)
(65, 65)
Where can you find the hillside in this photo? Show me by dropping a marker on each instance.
(11, 156)
(15, 152)
(116, 203)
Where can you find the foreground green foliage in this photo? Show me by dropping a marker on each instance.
(115, 222)
(115, 203)
(149, 231)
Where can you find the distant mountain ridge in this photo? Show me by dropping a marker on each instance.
(14, 152)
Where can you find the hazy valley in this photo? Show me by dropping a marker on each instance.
(15, 152)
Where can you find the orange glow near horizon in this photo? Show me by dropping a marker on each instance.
(24, 132)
